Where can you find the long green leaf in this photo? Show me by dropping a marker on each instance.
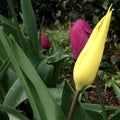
(7, 78)
(97, 107)
(4, 20)
(30, 23)
(43, 104)
(12, 111)
(5, 66)
(3, 55)
(3, 115)
(2, 93)
(47, 102)
(15, 32)
(14, 15)
(3, 77)
(15, 95)
(27, 84)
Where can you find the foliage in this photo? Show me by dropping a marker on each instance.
(27, 72)
(31, 84)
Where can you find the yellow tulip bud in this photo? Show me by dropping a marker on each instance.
(88, 62)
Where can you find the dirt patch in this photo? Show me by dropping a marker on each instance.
(109, 95)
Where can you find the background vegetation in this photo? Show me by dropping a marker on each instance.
(58, 17)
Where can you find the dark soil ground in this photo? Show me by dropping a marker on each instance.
(109, 95)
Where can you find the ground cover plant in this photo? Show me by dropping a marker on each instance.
(37, 80)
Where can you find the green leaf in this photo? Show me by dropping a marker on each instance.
(3, 115)
(14, 31)
(57, 57)
(12, 113)
(9, 27)
(15, 95)
(58, 61)
(51, 68)
(12, 77)
(3, 79)
(67, 97)
(114, 59)
(57, 94)
(7, 78)
(43, 105)
(30, 23)
(97, 107)
(46, 72)
(116, 116)
(116, 88)
(5, 21)
(4, 67)
(2, 93)
(80, 113)
(3, 55)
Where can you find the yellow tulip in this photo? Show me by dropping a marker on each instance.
(88, 62)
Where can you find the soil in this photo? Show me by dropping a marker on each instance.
(108, 95)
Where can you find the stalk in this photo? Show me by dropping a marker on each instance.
(72, 109)
(101, 99)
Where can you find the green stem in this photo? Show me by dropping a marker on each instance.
(41, 30)
(72, 109)
(101, 100)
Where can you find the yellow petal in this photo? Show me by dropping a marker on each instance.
(88, 62)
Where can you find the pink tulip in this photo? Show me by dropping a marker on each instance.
(45, 42)
(79, 35)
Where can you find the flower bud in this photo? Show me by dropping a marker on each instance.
(88, 62)
(45, 42)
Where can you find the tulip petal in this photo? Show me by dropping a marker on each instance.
(46, 44)
(88, 62)
(79, 35)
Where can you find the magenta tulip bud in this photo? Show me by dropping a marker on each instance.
(79, 35)
(45, 42)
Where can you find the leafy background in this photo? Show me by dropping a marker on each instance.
(58, 17)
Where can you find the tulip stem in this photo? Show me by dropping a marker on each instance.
(101, 99)
(72, 109)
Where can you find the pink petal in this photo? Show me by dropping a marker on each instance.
(79, 35)
(46, 44)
